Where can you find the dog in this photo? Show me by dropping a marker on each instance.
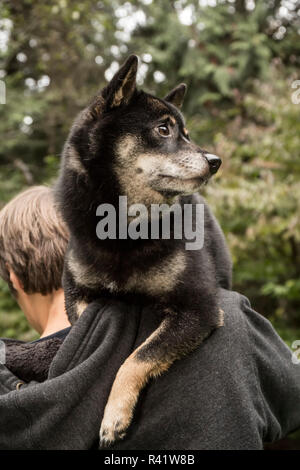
(129, 142)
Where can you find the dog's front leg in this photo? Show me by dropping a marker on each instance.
(176, 336)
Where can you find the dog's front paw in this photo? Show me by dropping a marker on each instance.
(115, 423)
(118, 413)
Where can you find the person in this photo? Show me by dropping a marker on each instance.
(33, 240)
(238, 389)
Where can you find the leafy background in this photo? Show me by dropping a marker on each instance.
(239, 59)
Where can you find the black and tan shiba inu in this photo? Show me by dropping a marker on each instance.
(128, 142)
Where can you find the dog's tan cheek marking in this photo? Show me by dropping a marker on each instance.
(132, 183)
(153, 165)
(148, 162)
(126, 149)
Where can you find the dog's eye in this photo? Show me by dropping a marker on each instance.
(164, 130)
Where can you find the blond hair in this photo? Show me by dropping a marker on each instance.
(33, 241)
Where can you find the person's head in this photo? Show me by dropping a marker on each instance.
(33, 241)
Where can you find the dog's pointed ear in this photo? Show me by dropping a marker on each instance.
(122, 86)
(176, 96)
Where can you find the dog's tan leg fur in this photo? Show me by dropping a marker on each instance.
(131, 378)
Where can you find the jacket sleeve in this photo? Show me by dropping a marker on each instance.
(277, 374)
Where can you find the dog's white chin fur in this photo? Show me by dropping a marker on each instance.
(178, 185)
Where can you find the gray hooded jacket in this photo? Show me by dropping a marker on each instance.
(237, 390)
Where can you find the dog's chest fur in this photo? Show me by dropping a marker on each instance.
(122, 274)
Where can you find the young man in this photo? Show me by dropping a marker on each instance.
(33, 241)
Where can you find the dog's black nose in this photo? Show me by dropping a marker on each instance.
(214, 162)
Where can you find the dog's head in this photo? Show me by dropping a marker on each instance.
(138, 142)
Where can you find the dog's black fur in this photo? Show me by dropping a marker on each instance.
(128, 142)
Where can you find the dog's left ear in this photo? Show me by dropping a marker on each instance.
(176, 96)
(122, 86)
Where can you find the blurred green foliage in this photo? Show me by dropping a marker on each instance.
(239, 59)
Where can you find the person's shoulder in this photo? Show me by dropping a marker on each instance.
(246, 343)
(240, 315)
(234, 306)
(61, 334)
(234, 342)
(238, 312)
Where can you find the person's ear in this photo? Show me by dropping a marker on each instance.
(122, 86)
(17, 285)
(176, 96)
